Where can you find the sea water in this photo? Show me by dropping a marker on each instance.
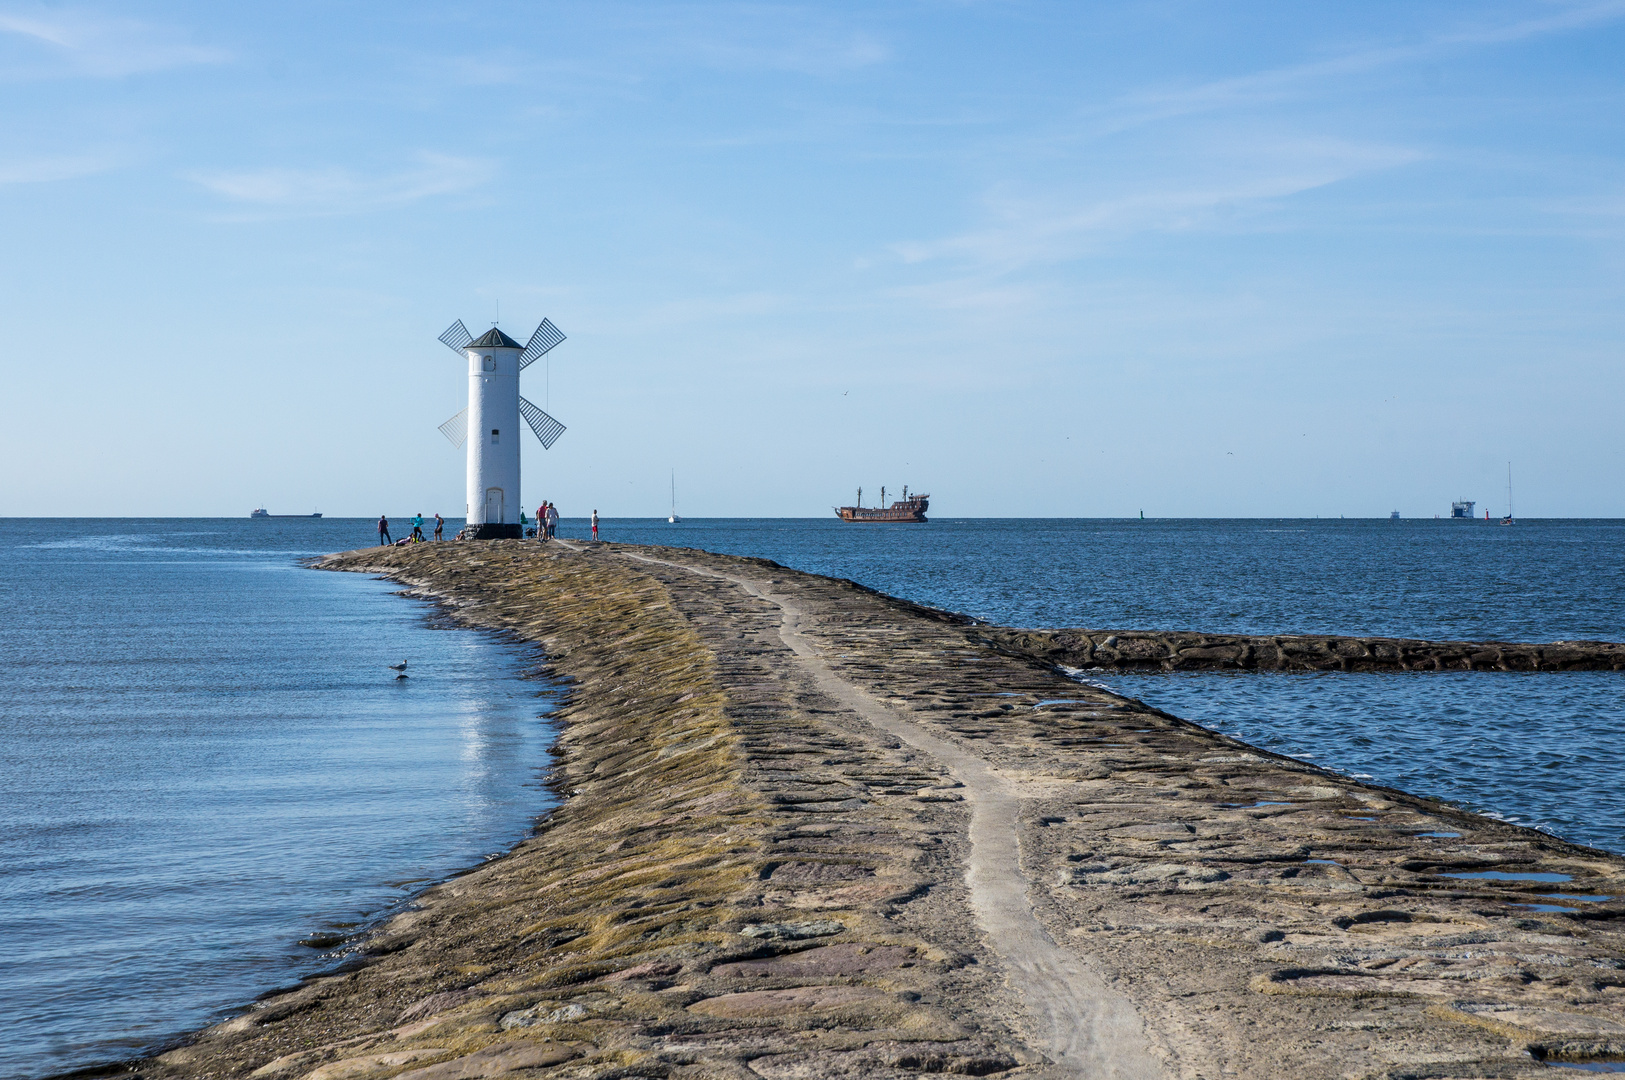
(1442, 579)
(205, 759)
(1538, 749)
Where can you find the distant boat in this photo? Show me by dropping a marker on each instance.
(1462, 508)
(910, 508)
(674, 519)
(1508, 519)
(1394, 516)
(263, 513)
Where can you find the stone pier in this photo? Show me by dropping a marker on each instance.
(809, 831)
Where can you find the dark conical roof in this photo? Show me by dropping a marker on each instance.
(493, 339)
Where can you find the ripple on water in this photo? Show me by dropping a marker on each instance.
(1539, 749)
(1523, 747)
(211, 780)
(1536, 749)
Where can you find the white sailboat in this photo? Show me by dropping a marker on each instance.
(674, 519)
(1508, 519)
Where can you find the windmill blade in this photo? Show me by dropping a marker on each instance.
(456, 337)
(546, 336)
(546, 428)
(456, 429)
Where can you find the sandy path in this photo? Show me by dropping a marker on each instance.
(1082, 1023)
(745, 746)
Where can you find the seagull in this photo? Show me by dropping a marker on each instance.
(398, 667)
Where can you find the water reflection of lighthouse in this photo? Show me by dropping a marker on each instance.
(490, 423)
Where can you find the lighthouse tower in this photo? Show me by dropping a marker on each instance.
(490, 424)
(493, 420)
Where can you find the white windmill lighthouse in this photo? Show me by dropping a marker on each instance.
(492, 419)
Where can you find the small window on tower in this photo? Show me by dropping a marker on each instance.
(496, 436)
(490, 364)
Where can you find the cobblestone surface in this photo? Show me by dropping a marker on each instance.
(1170, 650)
(812, 831)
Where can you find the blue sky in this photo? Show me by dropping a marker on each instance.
(1200, 259)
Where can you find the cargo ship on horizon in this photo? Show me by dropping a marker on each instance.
(910, 508)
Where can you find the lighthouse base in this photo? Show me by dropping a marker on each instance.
(493, 532)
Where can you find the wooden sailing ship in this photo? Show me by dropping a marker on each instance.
(910, 508)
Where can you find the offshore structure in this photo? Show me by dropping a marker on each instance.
(489, 424)
(910, 508)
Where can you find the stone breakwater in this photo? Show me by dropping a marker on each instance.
(1172, 650)
(812, 831)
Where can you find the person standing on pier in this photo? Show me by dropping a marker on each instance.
(552, 521)
(417, 526)
(541, 519)
(439, 526)
(383, 531)
(595, 524)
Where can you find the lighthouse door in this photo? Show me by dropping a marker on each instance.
(493, 506)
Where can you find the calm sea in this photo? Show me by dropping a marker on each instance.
(205, 758)
(1538, 750)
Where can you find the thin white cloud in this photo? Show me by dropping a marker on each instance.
(1207, 189)
(977, 295)
(47, 42)
(503, 68)
(652, 45)
(1285, 82)
(812, 55)
(1566, 17)
(39, 170)
(726, 306)
(1037, 229)
(337, 190)
(734, 37)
